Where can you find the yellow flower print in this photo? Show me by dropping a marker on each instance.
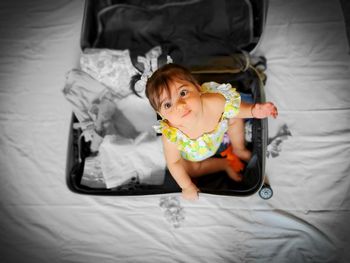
(170, 133)
(202, 151)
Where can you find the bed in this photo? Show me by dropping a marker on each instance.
(307, 157)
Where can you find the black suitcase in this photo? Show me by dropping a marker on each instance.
(224, 58)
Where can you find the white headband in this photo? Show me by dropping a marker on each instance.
(150, 65)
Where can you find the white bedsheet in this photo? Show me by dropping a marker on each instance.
(305, 221)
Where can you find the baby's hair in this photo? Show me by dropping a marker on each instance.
(161, 80)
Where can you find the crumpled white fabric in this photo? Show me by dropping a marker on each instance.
(82, 90)
(113, 68)
(92, 175)
(123, 159)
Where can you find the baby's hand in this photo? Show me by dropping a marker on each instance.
(263, 110)
(190, 193)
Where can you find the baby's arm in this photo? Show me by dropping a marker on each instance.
(257, 110)
(177, 170)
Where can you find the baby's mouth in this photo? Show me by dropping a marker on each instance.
(186, 113)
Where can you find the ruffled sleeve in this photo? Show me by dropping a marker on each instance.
(233, 98)
(169, 132)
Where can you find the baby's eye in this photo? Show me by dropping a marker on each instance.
(183, 92)
(167, 105)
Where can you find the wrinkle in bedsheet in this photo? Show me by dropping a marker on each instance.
(309, 243)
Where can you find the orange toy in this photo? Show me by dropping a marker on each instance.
(236, 164)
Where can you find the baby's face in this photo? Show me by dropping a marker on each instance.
(183, 105)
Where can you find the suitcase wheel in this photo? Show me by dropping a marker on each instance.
(266, 192)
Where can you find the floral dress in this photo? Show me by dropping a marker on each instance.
(206, 145)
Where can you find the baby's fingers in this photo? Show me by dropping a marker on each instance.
(274, 112)
(190, 197)
(271, 109)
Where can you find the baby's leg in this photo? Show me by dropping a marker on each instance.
(208, 166)
(236, 133)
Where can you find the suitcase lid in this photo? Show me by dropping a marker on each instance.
(184, 29)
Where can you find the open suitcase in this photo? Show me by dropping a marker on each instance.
(215, 47)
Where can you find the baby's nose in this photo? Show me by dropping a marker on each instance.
(181, 105)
